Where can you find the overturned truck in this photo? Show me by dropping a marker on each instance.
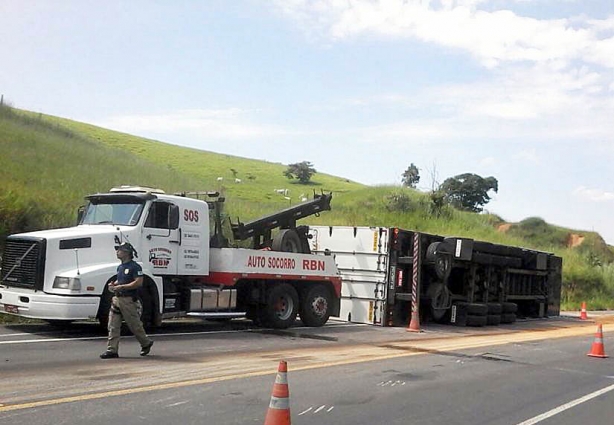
(450, 280)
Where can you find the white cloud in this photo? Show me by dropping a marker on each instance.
(594, 195)
(492, 36)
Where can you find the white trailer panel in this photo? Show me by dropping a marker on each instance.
(361, 256)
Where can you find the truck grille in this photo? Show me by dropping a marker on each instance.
(23, 262)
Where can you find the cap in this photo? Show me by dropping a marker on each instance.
(127, 247)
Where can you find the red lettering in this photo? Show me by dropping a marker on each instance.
(318, 265)
(253, 261)
(190, 215)
(281, 263)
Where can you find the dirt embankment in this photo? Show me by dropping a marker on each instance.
(503, 228)
(574, 240)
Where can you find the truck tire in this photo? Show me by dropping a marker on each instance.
(493, 319)
(440, 302)
(443, 266)
(442, 262)
(477, 321)
(509, 307)
(315, 306)
(477, 309)
(495, 308)
(287, 240)
(281, 307)
(508, 317)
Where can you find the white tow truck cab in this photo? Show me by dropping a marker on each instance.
(189, 266)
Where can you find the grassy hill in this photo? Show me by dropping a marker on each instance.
(48, 164)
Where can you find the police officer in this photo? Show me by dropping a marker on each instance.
(125, 303)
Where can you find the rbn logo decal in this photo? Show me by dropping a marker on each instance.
(190, 215)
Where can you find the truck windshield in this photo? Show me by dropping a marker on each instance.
(127, 214)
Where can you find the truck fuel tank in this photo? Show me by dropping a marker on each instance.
(212, 299)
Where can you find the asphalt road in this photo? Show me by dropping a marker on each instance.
(528, 373)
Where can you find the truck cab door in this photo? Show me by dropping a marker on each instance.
(162, 238)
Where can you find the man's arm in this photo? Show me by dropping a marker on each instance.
(135, 284)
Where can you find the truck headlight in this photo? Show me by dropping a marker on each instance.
(72, 283)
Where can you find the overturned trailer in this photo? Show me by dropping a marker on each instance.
(449, 279)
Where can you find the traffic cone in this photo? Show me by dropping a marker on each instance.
(279, 407)
(414, 323)
(583, 315)
(597, 347)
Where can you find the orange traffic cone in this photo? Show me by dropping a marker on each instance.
(597, 347)
(279, 407)
(583, 315)
(414, 323)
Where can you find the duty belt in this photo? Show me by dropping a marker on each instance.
(126, 296)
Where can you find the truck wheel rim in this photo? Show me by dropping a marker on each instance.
(284, 307)
(319, 306)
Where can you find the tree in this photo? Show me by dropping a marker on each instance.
(468, 191)
(302, 171)
(411, 176)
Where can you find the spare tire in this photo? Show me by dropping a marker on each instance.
(287, 240)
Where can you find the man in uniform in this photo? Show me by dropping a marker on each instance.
(125, 303)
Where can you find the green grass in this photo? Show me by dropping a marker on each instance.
(48, 164)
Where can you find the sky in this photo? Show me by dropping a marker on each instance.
(522, 90)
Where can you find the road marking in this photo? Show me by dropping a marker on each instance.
(24, 333)
(375, 353)
(179, 403)
(318, 410)
(86, 338)
(306, 411)
(566, 406)
(391, 383)
(115, 393)
(91, 338)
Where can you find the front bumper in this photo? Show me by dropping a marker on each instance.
(38, 305)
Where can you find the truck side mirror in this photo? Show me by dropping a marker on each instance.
(80, 214)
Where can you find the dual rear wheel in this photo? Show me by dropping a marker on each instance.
(283, 305)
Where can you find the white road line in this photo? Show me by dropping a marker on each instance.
(179, 403)
(566, 406)
(86, 338)
(331, 408)
(320, 408)
(305, 411)
(24, 333)
(32, 341)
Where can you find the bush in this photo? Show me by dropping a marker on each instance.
(399, 201)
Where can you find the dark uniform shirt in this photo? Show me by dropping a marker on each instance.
(126, 273)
